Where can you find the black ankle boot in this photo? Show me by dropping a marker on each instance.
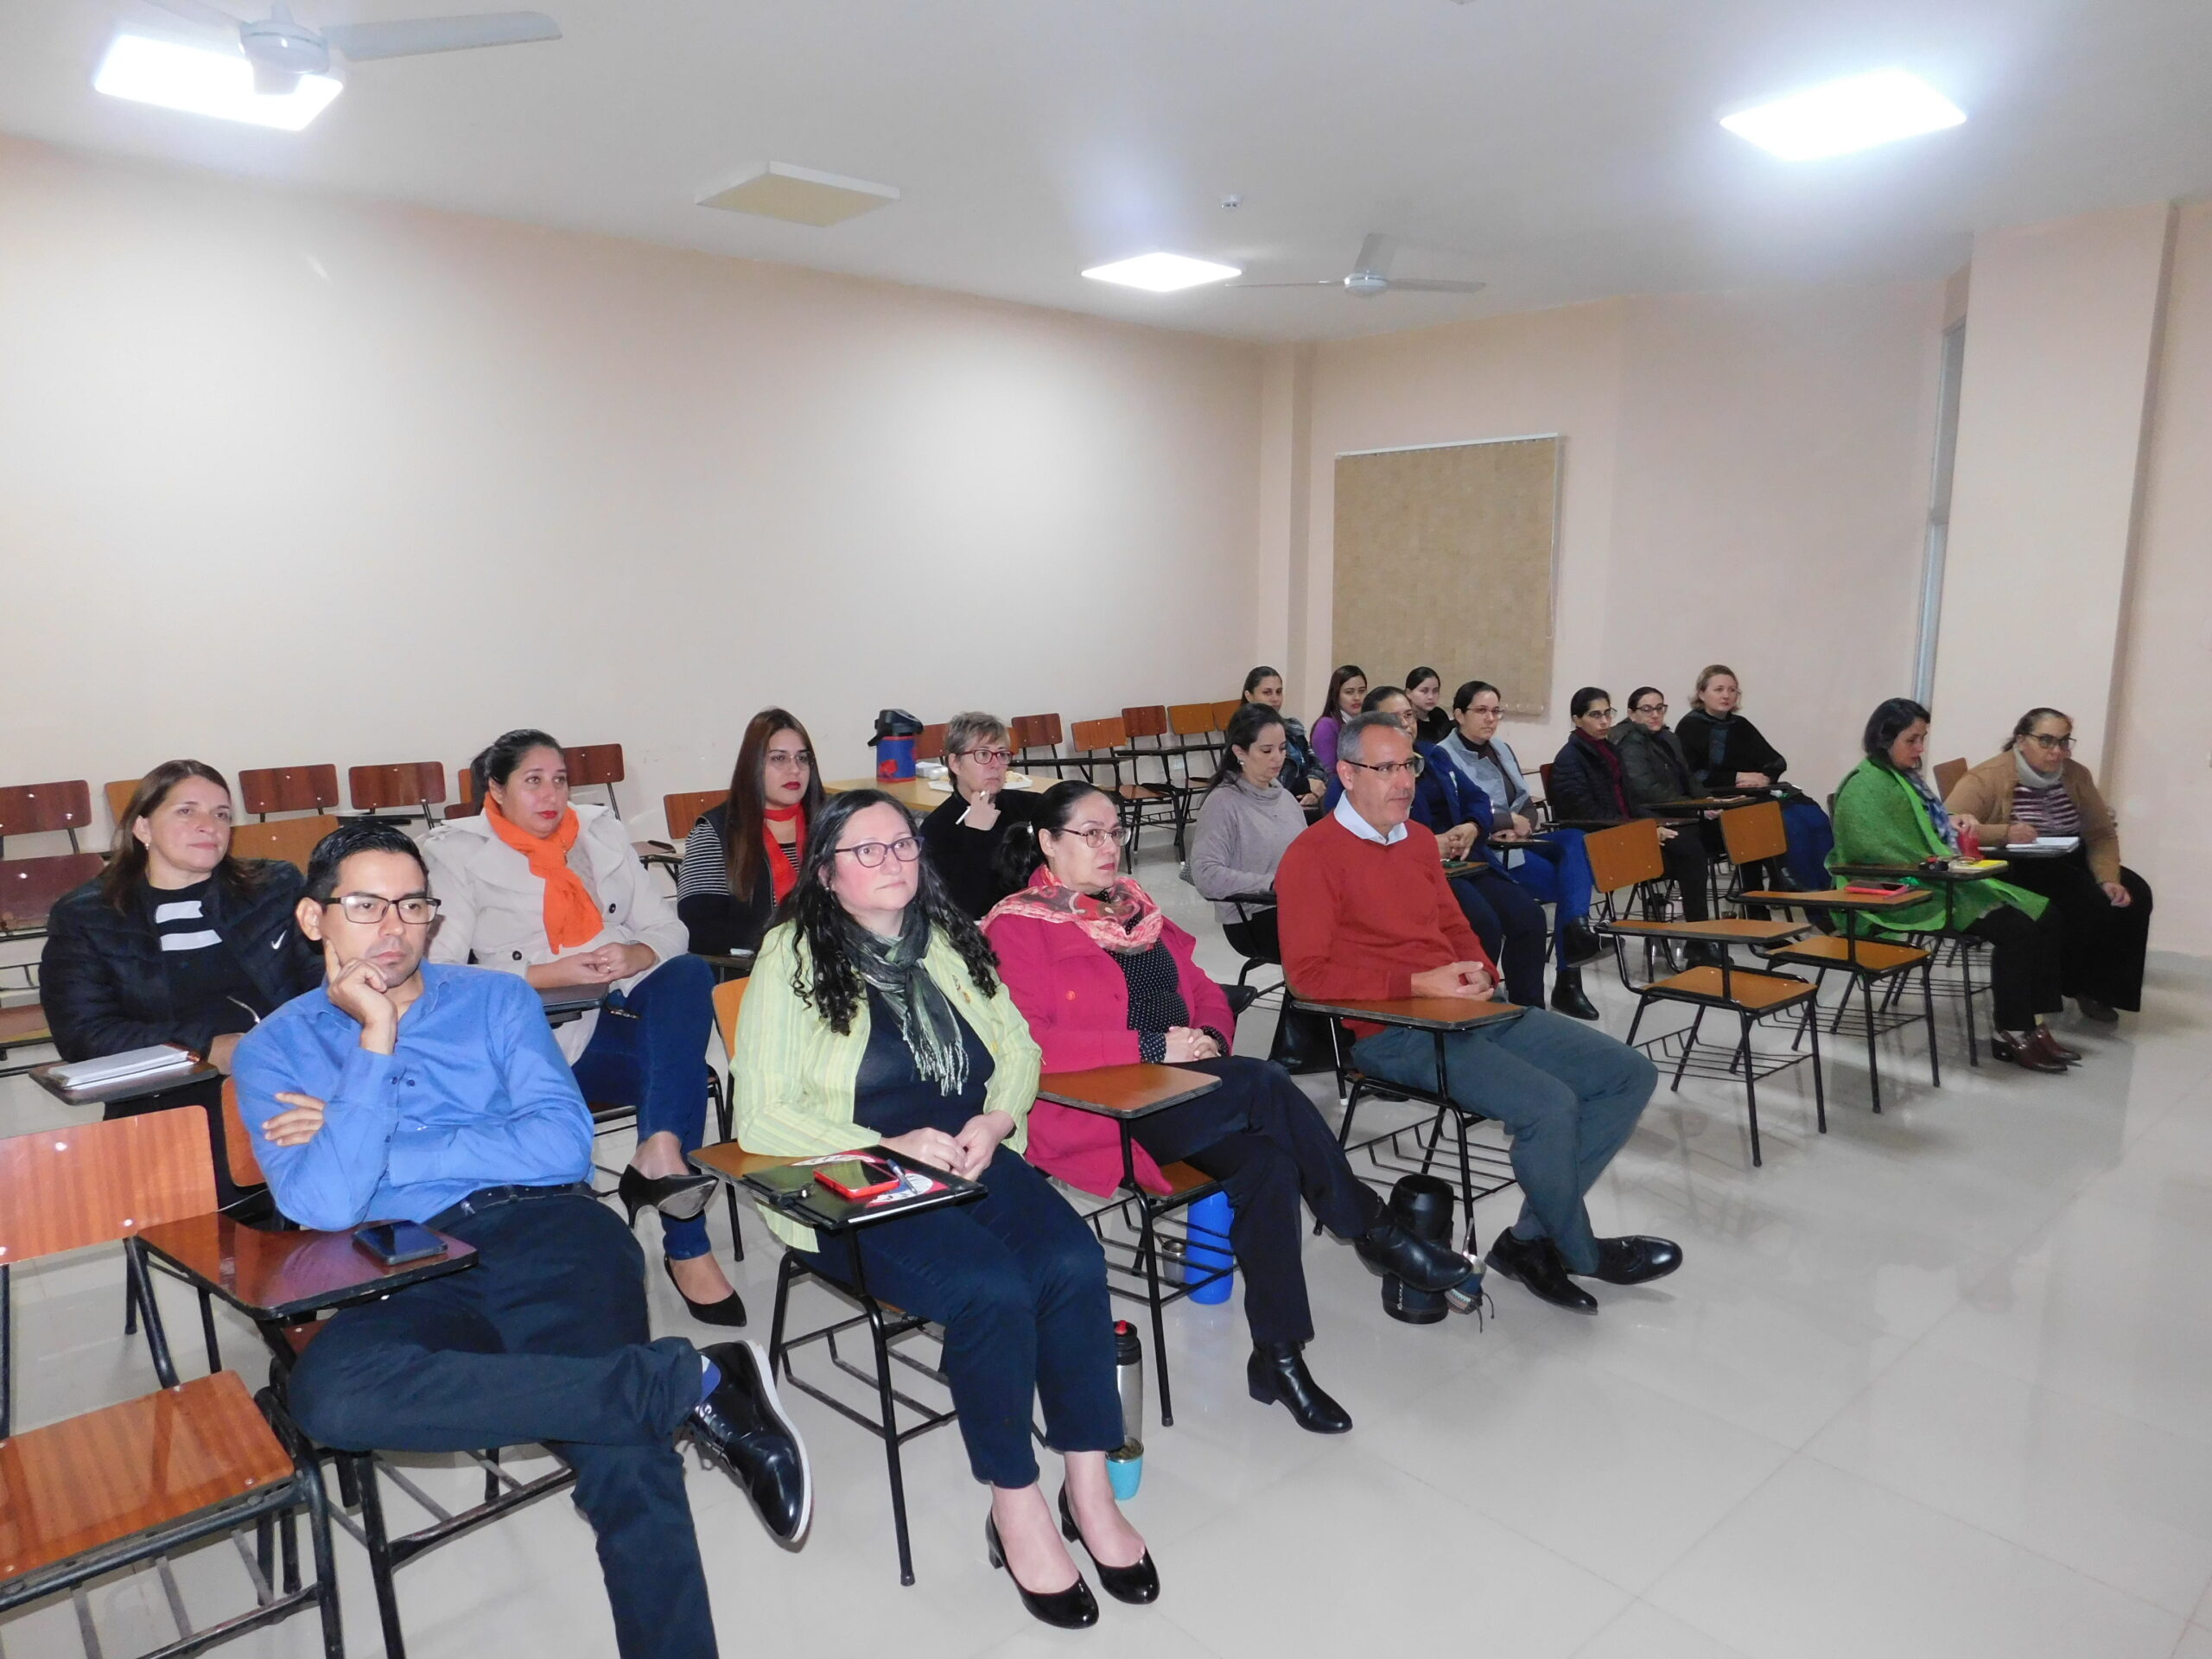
(1277, 1371)
(1568, 997)
(1578, 944)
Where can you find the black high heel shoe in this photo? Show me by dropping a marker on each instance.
(728, 1311)
(1072, 1609)
(679, 1198)
(1138, 1584)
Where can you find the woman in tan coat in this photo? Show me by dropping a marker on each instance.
(2036, 788)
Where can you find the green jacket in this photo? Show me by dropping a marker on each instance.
(1879, 819)
(795, 1076)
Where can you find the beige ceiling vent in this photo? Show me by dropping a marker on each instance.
(801, 195)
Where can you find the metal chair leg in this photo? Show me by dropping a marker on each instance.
(1873, 1054)
(1682, 1064)
(1819, 1087)
(890, 1438)
(380, 1562)
(1928, 1002)
(1149, 1253)
(1750, 1084)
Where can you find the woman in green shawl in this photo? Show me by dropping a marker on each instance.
(1886, 812)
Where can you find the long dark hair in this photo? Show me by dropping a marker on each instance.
(2026, 723)
(1244, 731)
(1888, 718)
(1415, 676)
(743, 823)
(1252, 680)
(1019, 854)
(120, 879)
(1463, 698)
(823, 975)
(1348, 671)
(499, 758)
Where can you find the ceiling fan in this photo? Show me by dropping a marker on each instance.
(282, 49)
(1371, 275)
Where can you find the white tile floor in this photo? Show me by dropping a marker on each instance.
(1939, 1384)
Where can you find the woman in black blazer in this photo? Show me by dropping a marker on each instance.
(741, 858)
(175, 942)
(1590, 783)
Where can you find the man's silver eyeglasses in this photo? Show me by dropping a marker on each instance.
(1096, 837)
(369, 908)
(869, 854)
(1412, 768)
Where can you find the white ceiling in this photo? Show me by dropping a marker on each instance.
(1558, 149)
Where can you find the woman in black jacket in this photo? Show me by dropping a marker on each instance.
(1590, 783)
(175, 942)
(740, 859)
(1726, 753)
(1657, 771)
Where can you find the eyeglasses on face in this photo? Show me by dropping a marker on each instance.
(987, 757)
(1648, 708)
(1098, 836)
(790, 757)
(2064, 744)
(1412, 768)
(869, 854)
(417, 910)
(1598, 713)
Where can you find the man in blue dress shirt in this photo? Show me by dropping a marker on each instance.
(402, 1090)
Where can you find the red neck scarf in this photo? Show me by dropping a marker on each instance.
(571, 915)
(1123, 918)
(783, 870)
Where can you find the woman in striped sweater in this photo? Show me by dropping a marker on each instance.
(740, 859)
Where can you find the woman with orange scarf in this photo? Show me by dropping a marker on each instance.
(555, 892)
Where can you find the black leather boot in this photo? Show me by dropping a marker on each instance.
(1579, 944)
(1569, 998)
(1277, 1371)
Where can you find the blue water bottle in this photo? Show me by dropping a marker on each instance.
(1208, 1255)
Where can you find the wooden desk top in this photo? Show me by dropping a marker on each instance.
(1726, 931)
(1125, 1091)
(269, 1275)
(1949, 873)
(128, 1089)
(1421, 1013)
(1837, 898)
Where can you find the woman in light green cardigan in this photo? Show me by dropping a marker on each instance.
(875, 1016)
(1887, 813)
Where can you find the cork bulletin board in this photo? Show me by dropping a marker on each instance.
(1444, 555)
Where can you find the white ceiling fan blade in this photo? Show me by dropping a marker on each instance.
(1427, 285)
(1325, 282)
(200, 12)
(415, 36)
(1375, 253)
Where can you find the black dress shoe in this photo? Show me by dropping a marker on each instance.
(1138, 1584)
(729, 1310)
(1568, 997)
(1578, 944)
(1637, 1258)
(1536, 1263)
(1703, 953)
(2103, 1013)
(679, 1198)
(1072, 1609)
(1277, 1371)
(742, 1425)
(1387, 1248)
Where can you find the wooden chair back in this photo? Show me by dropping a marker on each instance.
(594, 763)
(118, 795)
(1110, 733)
(930, 745)
(1948, 773)
(28, 886)
(1225, 711)
(1150, 720)
(289, 839)
(1192, 719)
(1037, 732)
(729, 1002)
(408, 784)
(94, 1183)
(683, 811)
(1545, 771)
(1754, 833)
(238, 1154)
(1624, 854)
(465, 804)
(40, 809)
(288, 789)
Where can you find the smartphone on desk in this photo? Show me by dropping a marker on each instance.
(857, 1179)
(395, 1244)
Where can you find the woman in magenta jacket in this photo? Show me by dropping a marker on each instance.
(1105, 979)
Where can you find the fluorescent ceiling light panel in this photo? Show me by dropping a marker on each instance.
(801, 195)
(206, 81)
(1162, 273)
(1845, 115)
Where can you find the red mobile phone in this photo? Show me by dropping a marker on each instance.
(857, 1179)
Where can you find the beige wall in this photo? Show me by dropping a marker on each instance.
(1745, 480)
(287, 478)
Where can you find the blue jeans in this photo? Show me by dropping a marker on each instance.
(1556, 872)
(1019, 1283)
(658, 1063)
(1568, 1095)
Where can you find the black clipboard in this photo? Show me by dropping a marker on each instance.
(791, 1190)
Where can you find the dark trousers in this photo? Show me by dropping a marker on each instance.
(1689, 866)
(2024, 956)
(2105, 943)
(1261, 1138)
(657, 1063)
(545, 1339)
(1019, 1284)
(1510, 922)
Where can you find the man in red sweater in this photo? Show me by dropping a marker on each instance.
(1366, 912)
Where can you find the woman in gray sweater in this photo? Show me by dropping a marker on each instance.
(1244, 824)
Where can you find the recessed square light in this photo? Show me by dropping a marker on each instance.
(1842, 115)
(206, 81)
(1162, 273)
(801, 195)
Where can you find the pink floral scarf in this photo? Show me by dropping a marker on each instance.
(1123, 918)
